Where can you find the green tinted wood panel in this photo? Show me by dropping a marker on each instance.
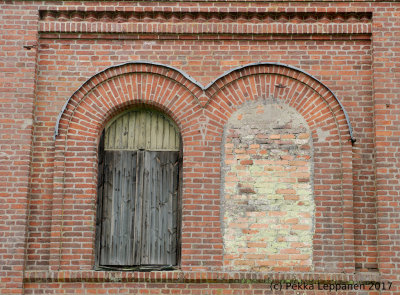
(142, 129)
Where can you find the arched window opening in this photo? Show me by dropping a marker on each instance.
(138, 220)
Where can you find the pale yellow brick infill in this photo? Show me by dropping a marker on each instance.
(268, 206)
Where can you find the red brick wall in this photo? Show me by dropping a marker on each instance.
(350, 47)
(386, 64)
(118, 88)
(53, 91)
(18, 28)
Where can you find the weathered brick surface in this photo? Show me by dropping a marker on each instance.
(18, 28)
(352, 47)
(268, 200)
(386, 41)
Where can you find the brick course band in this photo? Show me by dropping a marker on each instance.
(190, 277)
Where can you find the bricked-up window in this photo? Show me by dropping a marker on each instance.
(137, 215)
(267, 189)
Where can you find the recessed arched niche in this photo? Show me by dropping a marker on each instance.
(267, 195)
(137, 210)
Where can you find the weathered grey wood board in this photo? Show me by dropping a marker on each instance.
(139, 208)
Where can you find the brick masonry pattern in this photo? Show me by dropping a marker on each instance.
(268, 200)
(42, 70)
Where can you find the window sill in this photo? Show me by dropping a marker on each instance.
(142, 268)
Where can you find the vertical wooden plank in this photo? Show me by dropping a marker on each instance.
(159, 209)
(165, 135)
(156, 221)
(137, 130)
(149, 197)
(177, 140)
(132, 130)
(153, 206)
(168, 206)
(164, 208)
(146, 210)
(138, 206)
(118, 133)
(131, 208)
(142, 130)
(172, 134)
(123, 216)
(111, 137)
(153, 132)
(125, 131)
(106, 138)
(100, 188)
(119, 218)
(159, 132)
(106, 214)
(148, 135)
(116, 201)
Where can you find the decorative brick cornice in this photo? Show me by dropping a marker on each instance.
(205, 23)
(206, 28)
(204, 17)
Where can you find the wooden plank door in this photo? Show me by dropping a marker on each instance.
(117, 243)
(139, 205)
(160, 208)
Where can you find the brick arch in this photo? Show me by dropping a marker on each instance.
(200, 92)
(279, 75)
(333, 238)
(80, 124)
(94, 84)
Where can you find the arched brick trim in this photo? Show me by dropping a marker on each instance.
(122, 69)
(284, 71)
(333, 247)
(84, 117)
(201, 113)
(184, 76)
